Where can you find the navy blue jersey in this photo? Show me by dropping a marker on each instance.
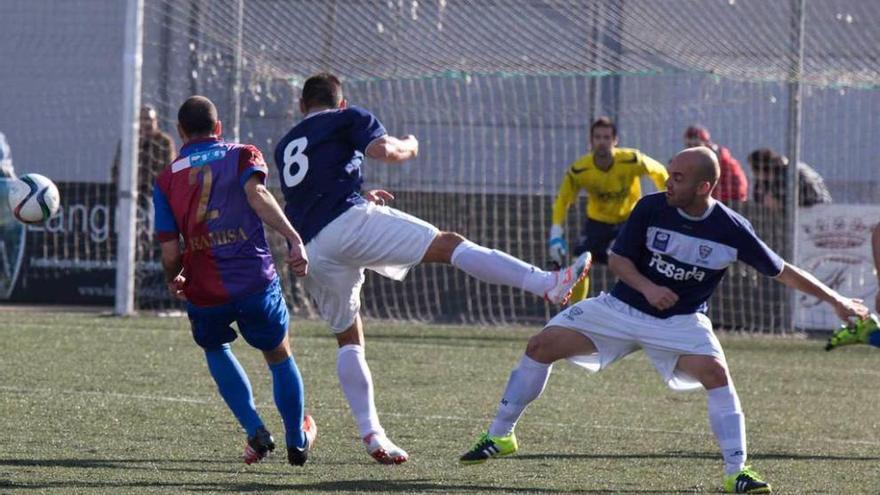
(686, 254)
(319, 162)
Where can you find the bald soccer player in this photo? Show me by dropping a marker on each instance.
(669, 257)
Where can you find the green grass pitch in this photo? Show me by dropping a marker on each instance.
(93, 404)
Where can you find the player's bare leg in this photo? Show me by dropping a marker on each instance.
(279, 353)
(525, 385)
(727, 420)
(555, 343)
(357, 385)
(496, 267)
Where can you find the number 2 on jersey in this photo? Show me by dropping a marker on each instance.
(207, 181)
(293, 155)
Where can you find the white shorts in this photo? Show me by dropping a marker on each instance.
(617, 329)
(379, 238)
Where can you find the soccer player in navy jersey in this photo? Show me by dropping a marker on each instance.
(214, 196)
(347, 230)
(669, 257)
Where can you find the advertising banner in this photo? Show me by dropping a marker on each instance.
(71, 259)
(834, 244)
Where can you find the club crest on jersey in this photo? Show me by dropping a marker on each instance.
(574, 311)
(661, 241)
(705, 251)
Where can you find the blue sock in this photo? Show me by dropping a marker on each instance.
(874, 338)
(234, 386)
(289, 398)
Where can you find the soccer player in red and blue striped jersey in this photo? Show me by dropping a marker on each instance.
(214, 197)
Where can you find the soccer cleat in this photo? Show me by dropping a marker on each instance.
(383, 450)
(746, 481)
(854, 333)
(566, 279)
(258, 446)
(488, 447)
(298, 456)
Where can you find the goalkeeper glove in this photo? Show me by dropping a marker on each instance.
(558, 246)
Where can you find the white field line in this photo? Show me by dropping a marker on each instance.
(430, 417)
(184, 329)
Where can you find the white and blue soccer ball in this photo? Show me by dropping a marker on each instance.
(33, 198)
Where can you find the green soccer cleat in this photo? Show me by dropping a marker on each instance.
(746, 481)
(854, 333)
(488, 447)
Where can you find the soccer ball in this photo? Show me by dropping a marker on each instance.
(33, 198)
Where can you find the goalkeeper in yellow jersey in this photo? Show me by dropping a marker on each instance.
(610, 175)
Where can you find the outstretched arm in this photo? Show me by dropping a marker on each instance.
(656, 171)
(390, 149)
(805, 282)
(269, 211)
(568, 192)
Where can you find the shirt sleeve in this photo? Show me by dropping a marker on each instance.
(364, 129)
(753, 252)
(630, 242)
(166, 226)
(250, 162)
(568, 192)
(655, 170)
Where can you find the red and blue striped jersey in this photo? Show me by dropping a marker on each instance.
(201, 196)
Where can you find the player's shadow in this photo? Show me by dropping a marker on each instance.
(346, 486)
(177, 465)
(416, 486)
(694, 455)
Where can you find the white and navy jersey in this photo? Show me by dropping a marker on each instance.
(319, 161)
(686, 254)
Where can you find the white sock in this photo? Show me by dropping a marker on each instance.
(729, 425)
(497, 267)
(357, 385)
(525, 384)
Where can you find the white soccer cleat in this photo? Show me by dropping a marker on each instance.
(383, 450)
(567, 278)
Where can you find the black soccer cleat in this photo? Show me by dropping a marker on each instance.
(258, 446)
(298, 456)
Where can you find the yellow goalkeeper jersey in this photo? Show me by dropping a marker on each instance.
(612, 193)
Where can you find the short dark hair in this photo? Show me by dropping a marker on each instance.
(697, 132)
(604, 122)
(197, 116)
(766, 159)
(322, 90)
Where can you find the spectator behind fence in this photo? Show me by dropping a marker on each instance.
(6, 170)
(733, 184)
(875, 251)
(155, 150)
(770, 171)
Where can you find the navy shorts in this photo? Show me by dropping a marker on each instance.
(597, 238)
(262, 320)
